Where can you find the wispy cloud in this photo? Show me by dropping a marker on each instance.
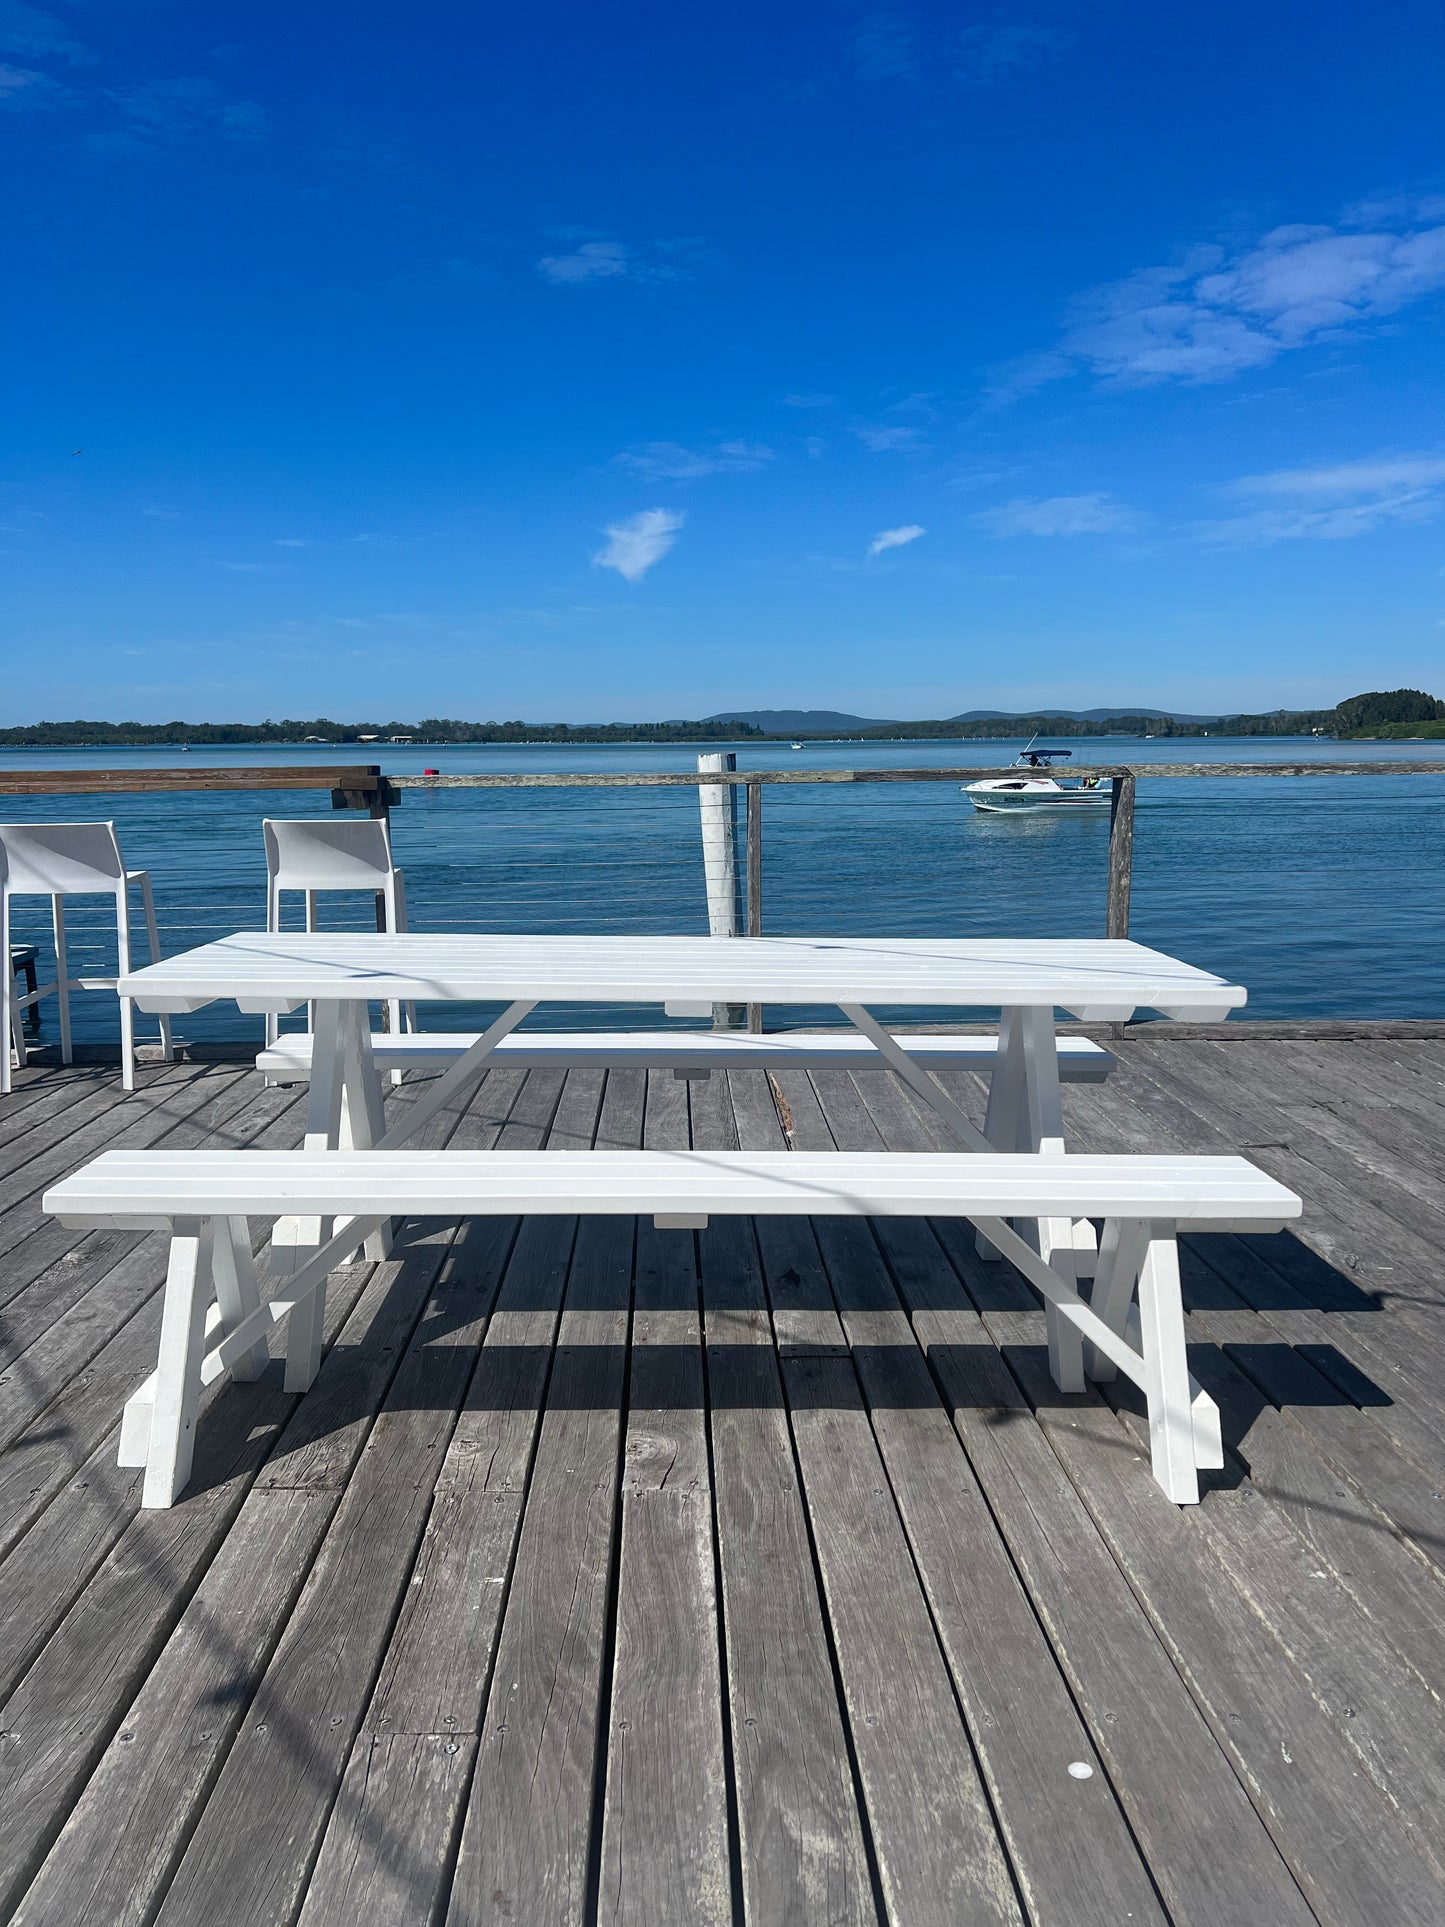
(1060, 515)
(33, 31)
(1381, 475)
(888, 45)
(895, 538)
(670, 462)
(995, 49)
(24, 87)
(1332, 503)
(185, 106)
(599, 260)
(884, 46)
(890, 439)
(635, 545)
(1219, 311)
(593, 261)
(807, 401)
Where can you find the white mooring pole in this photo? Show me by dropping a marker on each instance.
(718, 805)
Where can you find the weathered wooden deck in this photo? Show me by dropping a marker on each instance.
(609, 1574)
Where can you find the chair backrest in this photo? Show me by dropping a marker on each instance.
(320, 853)
(78, 859)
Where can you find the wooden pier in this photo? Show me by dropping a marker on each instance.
(757, 1575)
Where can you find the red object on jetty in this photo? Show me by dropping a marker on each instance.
(431, 772)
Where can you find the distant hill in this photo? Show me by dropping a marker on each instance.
(800, 722)
(1081, 715)
(837, 722)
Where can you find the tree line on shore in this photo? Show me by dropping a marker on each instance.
(1380, 714)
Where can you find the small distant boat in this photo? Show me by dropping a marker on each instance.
(1039, 789)
(795, 745)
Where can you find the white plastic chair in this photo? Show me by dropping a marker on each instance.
(313, 854)
(60, 860)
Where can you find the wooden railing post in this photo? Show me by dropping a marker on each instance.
(755, 882)
(1121, 856)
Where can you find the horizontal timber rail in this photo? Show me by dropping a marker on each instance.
(692, 779)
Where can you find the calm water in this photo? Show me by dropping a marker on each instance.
(1323, 896)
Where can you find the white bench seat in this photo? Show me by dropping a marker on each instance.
(205, 1198)
(687, 1053)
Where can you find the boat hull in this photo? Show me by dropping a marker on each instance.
(1013, 799)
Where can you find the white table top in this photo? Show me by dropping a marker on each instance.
(1097, 979)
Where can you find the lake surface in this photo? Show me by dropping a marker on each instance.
(1323, 896)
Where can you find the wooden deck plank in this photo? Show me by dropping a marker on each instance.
(290, 1753)
(1068, 1841)
(107, 1644)
(1379, 1705)
(665, 1851)
(1207, 1849)
(392, 1834)
(70, 1703)
(1352, 1853)
(526, 1848)
(801, 1841)
(934, 1840)
(801, 1847)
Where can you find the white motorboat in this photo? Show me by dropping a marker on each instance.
(1038, 788)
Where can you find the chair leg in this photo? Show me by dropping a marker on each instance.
(127, 1007)
(62, 978)
(153, 937)
(178, 1371)
(273, 924)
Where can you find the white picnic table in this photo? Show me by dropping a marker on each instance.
(340, 974)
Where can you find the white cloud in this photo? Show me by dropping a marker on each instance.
(670, 462)
(31, 30)
(890, 441)
(884, 46)
(997, 48)
(1220, 312)
(593, 261)
(1060, 515)
(895, 538)
(635, 545)
(1332, 503)
(1380, 476)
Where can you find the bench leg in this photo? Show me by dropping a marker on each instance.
(363, 1113)
(293, 1239)
(1121, 1254)
(1166, 1369)
(237, 1293)
(1054, 1239)
(1006, 1102)
(178, 1371)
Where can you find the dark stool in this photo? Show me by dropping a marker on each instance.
(22, 962)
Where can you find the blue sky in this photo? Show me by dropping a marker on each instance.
(580, 362)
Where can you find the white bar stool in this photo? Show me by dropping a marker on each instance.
(60, 860)
(313, 854)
